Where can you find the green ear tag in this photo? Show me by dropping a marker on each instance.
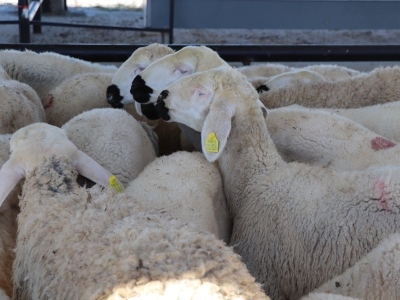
(212, 143)
(114, 184)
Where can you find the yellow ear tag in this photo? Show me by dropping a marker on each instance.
(114, 184)
(212, 143)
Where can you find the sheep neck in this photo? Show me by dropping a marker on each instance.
(249, 152)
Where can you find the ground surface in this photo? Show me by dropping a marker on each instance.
(106, 14)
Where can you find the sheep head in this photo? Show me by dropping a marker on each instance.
(207, 102)
(118, 93)
(32, 144)
(160, 74)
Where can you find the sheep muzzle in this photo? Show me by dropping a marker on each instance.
(150, 111)
(140, 91)
(114, 97)
(161, 108)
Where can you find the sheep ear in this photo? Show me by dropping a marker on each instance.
(216, 129)
(88, 167)
(263, 108)
(10, 175)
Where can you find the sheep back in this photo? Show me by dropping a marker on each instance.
(114, 139)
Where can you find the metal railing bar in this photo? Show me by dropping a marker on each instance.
(59, 24)
(230, 53)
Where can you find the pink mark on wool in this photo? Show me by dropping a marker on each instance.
(48, 101)
(380, 143)
(380, 189)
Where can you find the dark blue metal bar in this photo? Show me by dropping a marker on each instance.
(231, 53)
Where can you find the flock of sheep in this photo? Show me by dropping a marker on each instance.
(208, 181)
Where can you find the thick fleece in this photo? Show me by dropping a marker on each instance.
(187, 187)
(380, 118)
(322, 138)
(114, 139)
(374, 277)
(44, 71)
(381, 85)
(295, 226)
(19, 106)
(75, 243)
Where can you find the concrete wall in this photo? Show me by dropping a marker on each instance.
(275, 14)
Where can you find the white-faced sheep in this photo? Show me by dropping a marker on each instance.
(321, 138)
(374, 277)
(114, 139)
(44, 71)
(187, 187)
(118, 94)
(19, 106)
(84, 92)
(75, 243)
(295, 226)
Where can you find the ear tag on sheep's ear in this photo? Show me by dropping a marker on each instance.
(212, 143)
(114, 184)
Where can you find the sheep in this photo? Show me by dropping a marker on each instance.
(191, 59)
(42, 140)
(295, 226)
(114, 139)
(75, 243)
(170, 137)
(266, 70)
(381, 85)
(186, 186)
(322, 138)
(118, 92)
(44, 71)
(19, 106)
(84, 92)
(374, 277)
(380, 118)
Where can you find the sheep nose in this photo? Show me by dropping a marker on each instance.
(160, 106)
(140, 91)
(114, 97)
(149, 111)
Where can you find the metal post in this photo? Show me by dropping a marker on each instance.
(23, 18)
(171, 21)
(38, 17)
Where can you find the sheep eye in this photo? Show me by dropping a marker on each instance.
(201, 94)
(183, 71)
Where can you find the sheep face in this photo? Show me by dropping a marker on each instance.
(118, 93)
(31, 145)
(207, 102)
(160, 74)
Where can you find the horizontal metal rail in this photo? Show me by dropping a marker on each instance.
(230, 53)
(90, 26)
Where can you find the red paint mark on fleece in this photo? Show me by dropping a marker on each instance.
(380, 189)
(48, 101)
(380, 143)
